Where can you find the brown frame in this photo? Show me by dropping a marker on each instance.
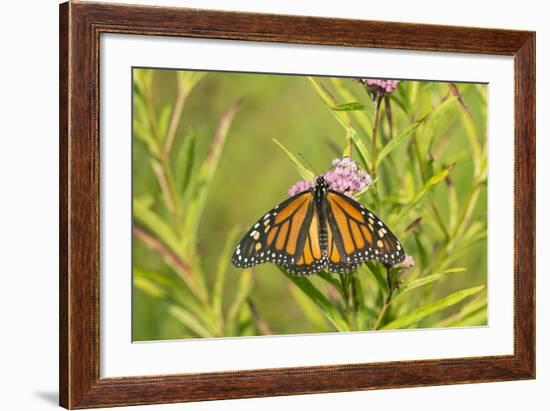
(80, 27)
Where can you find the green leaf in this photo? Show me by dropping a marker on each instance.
(187, 80)
(223, 261)
(310, 310)
(388, 148)
(243, 291)
(164, 120)
(378, 275)
(185, 162)
(302, 170)
(361, 148)
(344, 120)
(427, 279)
(364, 117)
(331, 280)
(205, 176)
(419, 314)
(190, 321)
(173, 289)
(435, 179)
(354, 106)
(472, 313)
(149, 287)
(144, 215)
(330, 312)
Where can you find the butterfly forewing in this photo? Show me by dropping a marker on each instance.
(280, 236)
(355, 235)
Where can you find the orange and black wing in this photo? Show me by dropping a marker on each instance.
(356, 235)
(283, 236)
(309, 258)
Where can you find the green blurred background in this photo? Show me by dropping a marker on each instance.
(253, 175)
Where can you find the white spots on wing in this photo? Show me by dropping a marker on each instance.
(240, 258)
(380, 223)
(266, 216)
(238, 251)
(256, 225)
(399, 246)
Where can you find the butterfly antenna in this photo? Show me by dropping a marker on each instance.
(309, 164)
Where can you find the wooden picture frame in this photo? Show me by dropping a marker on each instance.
(80, 27)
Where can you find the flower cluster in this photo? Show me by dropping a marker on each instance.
(300, 186)
(379, 86)
(345, 177)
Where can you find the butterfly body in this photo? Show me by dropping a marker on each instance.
(318, 229)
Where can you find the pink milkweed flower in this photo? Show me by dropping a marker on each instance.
(408, 262)
(300, 186)
(379, 86)
(345, 177)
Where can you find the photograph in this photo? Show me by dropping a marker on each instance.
(273, 204)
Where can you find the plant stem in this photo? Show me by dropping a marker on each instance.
(344, 279)
(374, 149)
(387, 302)
(172, 259)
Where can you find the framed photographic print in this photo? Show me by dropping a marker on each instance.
(257, 205)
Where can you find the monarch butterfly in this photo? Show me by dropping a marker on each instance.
(316, 229)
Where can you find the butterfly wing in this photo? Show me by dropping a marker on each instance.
(311, 259)
(282, 236)
(356, 235)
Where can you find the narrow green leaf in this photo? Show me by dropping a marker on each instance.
(304, 172)
(435, 179)
(147, 217)
(190, 321)
(330, 312)
(164, 120)
(174, 289)
(223, 261)
(331, 280)
(427, 279)
(205, 176)
(419, 314)
(364, 117)
(344, 120)
(361, 148)
(243, 291)
(185, 162)
(388, 148)
(149, 287)
(310, 310)
(353, 106)
(378, 275)
(472, 313)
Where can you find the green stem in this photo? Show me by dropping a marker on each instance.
(348, 304)
(387, 302)
(374, 149)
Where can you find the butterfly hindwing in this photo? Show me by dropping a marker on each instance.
(356, 235)
(280, 236)
(311, 259)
